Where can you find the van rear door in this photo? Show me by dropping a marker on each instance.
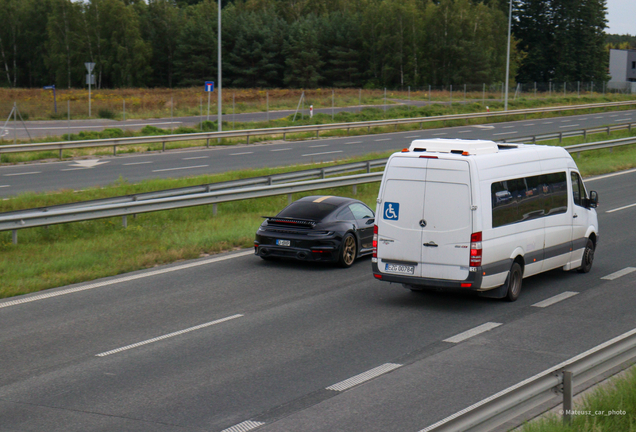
(447, 220)
(399, 214)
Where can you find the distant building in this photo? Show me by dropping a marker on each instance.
(622, 69)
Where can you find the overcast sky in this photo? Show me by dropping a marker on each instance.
(621, 17)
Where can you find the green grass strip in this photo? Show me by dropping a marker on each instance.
(608, 408)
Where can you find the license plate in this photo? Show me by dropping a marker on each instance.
(283, 242)
(400, 268)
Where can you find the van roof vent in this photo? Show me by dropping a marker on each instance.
(457, 146)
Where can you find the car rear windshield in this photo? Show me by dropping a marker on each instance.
(307, 210)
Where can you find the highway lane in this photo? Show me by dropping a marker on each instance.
(289, 331)
(38, 177)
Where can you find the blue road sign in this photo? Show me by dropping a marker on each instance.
(209, 86)
(51, 87)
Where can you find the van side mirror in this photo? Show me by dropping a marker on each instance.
(592, 201)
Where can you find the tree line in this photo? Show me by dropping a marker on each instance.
(298, 43)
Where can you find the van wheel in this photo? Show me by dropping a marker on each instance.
(588, 257)
(513, 283)
(348, 251)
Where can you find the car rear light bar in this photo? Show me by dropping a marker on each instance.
(475, 249)
(296, 222)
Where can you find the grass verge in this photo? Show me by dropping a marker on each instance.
(608, 408)
(77, 252)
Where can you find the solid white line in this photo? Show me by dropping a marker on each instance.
(180, 168)
(137, 163)
(620, 208)
(506, 133)
(196, 157)
(31, 298)
(472, 332)
(365, 376)
(623, 119)
(414, 136)
(620, 273)
(1, 186)
(507, 127)
(321, 145)
(26, 173)
(244, 426)
(324, 153)
(353, 142)
(443, 133)
(610, 175)
(384, 139)
(464, 131)
(238, 154)
(598, 117)
(530, 124)
(281, 149)
(169, 335)
(557, 298)
(572, 125)
(75, 169)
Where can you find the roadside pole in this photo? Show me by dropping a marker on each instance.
(90, 78)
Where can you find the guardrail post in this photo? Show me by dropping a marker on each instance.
(163, 149)
(124, 221)
(14, 236)
(248, 139)
(134, 199)
(567, 397)
(317, 134)
(207, 143)
(585, 134)
(60, 153)
(269, 180)
(534, 139)
(114, 150)
(368, 166)
(284, 135)
(322, 173)
(608, 130)
(214, 209)
(355, 189)
(560, 137)
(289, 198)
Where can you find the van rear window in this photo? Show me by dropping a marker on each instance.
(526, 198)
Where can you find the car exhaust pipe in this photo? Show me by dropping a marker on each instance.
(301, 255)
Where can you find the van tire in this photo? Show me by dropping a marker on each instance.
(348, 251)
(513, 282)
(588, 257)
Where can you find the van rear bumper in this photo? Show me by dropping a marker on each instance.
(474, 279)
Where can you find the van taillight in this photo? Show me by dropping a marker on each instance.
(375, 241)
(475, 249)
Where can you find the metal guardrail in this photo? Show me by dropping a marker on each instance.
(215, 193)
(115, 142)
(572, 133)
(541, 388)
(316, 173)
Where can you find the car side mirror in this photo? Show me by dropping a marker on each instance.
(593, 200)
(370, 221)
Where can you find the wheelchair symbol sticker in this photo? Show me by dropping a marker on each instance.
(391, 211)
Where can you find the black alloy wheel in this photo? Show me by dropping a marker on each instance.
(513, 283)
(348, 251)
(588, 257)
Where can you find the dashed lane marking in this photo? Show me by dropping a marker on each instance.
(363, 377)
(619, 273)
(323, 153)
(621, 208)
(244, 426)
(180, 168)
(25, 173)
(472, 332)
(557, 298)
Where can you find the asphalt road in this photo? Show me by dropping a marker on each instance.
(233, 342)
(38, 177)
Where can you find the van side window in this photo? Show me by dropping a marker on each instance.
(526, 198)
(578, 193)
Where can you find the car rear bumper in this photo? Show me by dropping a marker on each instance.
(323, 254)
(472, 282)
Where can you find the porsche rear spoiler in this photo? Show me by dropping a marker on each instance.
(291, 221)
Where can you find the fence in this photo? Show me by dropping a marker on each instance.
(542, 388)
(284, 131)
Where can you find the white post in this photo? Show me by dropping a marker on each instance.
(267, 103)
(89, 94)
(68, 111)
(209, 106)
(508, 57)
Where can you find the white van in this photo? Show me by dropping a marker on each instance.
(481, 216)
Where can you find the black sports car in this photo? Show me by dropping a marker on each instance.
(318, 228)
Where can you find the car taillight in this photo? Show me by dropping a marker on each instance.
(375, 241)
(475, 249)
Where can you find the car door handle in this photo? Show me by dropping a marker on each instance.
(430, 244)
(575, 215)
